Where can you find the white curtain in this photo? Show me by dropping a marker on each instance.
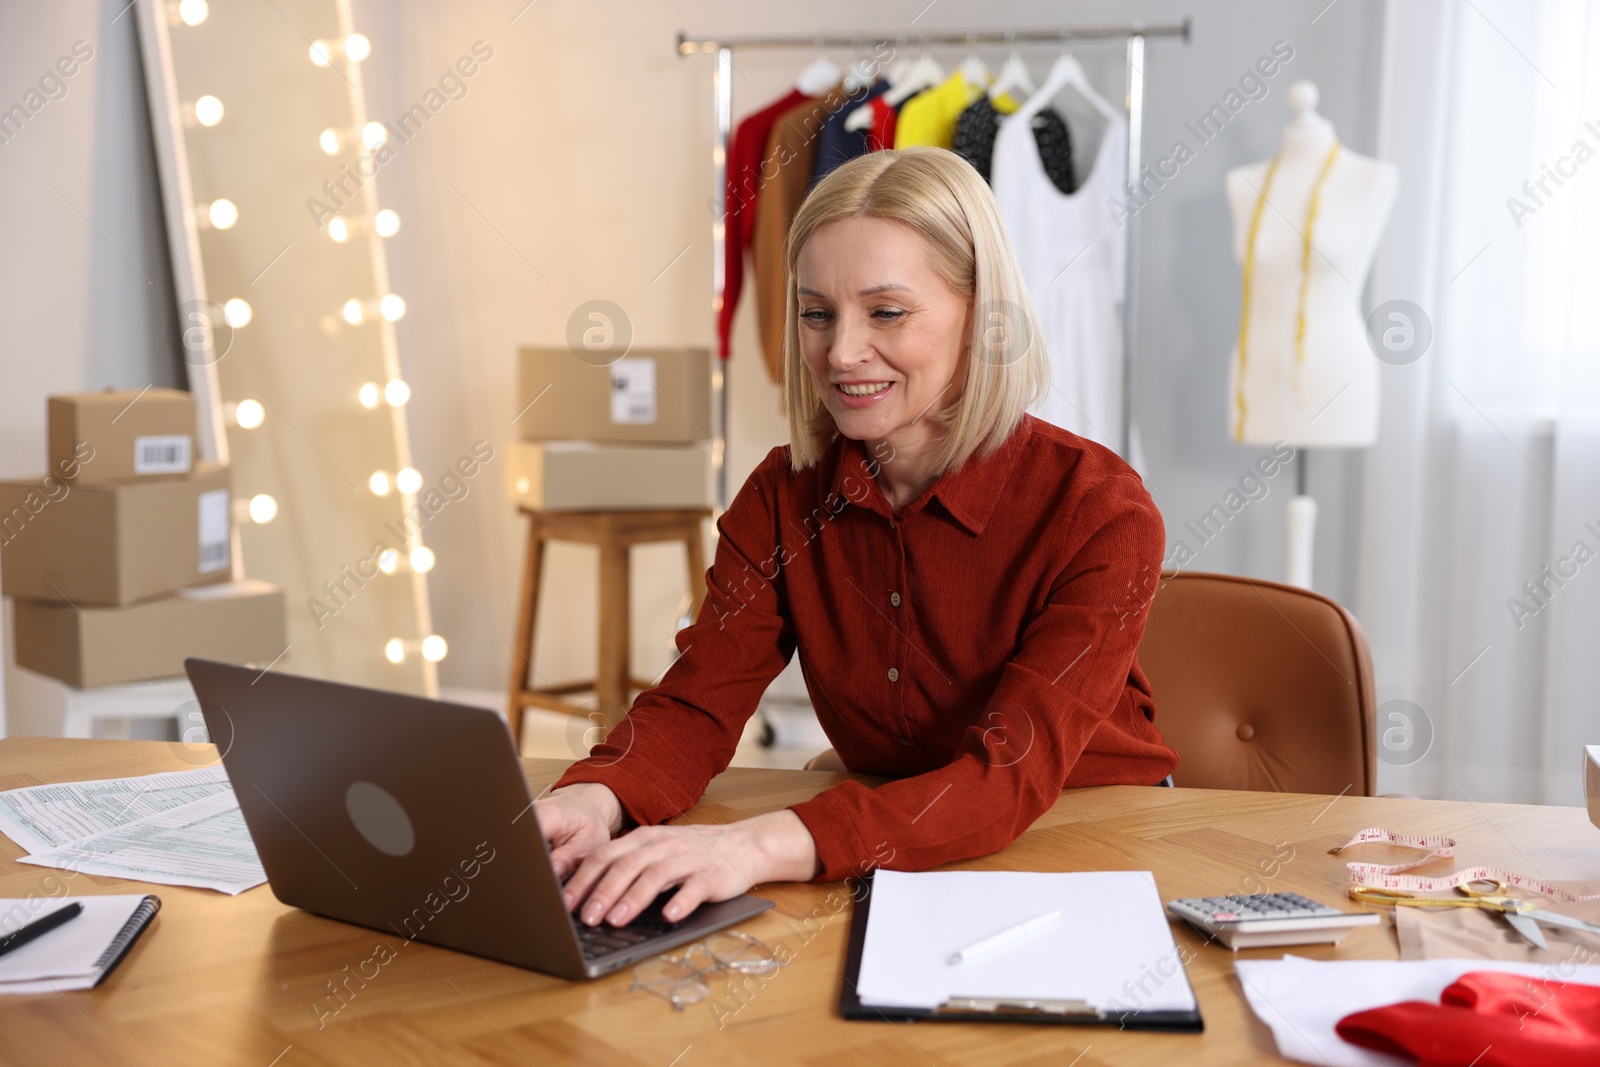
(1480, 541)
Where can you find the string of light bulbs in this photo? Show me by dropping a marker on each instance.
(207, 111)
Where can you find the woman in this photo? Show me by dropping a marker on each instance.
(965, 583)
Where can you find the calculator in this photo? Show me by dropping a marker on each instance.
(1259, 920)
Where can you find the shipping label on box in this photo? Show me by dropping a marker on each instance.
(161, 454)
(215, 531)
(633, 391)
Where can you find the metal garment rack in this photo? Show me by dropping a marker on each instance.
(1132, 36)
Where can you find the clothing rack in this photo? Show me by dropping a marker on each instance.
(1133, 37)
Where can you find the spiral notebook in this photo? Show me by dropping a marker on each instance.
(79, 953)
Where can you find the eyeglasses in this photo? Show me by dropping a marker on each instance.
(680, 979)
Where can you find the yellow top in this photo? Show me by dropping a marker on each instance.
(930, 117)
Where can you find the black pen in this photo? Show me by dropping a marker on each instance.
(39, 926)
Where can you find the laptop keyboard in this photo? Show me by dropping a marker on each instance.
(604, 939)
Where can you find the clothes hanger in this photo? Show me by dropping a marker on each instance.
(1014, 79)
(975, 71)
(1068, 73)
(820, 75)
(863, 73)
(924, 74)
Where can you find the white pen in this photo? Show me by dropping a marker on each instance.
(1004, 937)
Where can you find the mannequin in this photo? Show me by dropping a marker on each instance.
(1307, 376)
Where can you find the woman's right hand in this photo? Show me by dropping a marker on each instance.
(577, 819)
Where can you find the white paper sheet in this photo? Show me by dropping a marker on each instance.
(40, 817)
(1112, 947)
(63, 958)
(1301, 999)
(204, 844)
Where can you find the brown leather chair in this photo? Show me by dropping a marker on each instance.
(1258, 686)
(1261, 686)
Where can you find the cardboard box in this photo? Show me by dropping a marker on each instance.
(113, 544)
(649, 396)
(582, 476)
(95, 438)
(236, 622)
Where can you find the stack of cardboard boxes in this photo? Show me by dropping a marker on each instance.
(119, 560)
(613, 434)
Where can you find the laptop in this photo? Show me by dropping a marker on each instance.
(412, 817)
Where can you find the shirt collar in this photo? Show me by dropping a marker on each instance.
(969, 493)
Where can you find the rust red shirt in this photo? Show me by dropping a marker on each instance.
(977, 646)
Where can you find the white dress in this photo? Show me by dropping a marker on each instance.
(1072, 254)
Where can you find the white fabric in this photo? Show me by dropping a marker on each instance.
(1073, 256)
(1487, 467)
(1302, 1000)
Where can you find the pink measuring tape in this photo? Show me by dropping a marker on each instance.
(1438, 847)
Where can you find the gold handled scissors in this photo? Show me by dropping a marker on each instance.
(1522, 916)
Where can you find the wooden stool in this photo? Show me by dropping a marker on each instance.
(613, 532)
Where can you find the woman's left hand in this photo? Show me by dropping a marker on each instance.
(618, 879)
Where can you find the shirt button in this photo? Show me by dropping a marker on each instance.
(894, 674)
(894, 598)
(906, 741)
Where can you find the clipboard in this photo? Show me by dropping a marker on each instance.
(974, 1010)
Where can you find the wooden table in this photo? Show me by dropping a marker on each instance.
(233, 980)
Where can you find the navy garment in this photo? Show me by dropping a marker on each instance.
(837, 145)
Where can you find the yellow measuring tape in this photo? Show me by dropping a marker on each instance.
(1305, 280)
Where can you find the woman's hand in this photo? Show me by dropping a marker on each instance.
(577, 819)
(620, 878)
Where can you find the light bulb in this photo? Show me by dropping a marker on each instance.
(319, 53)
(388, 560)
(397, 393)
(422, 559)
(249, 414)
(237, 313)
(354, 312)
(357, 47)
(392, 308)
(329, 141)
(263, 508)
(208, 110)
(374, 134)
(339, 230)
(379, 483)
(386, 223)
(223, 214)
(368, 395)
(395, 650)
(408, 480)
(434, 648)
(193, 12)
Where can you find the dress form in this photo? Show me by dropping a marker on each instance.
(1321, 391)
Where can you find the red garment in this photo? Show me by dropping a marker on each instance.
(977, 645)
(745, 172)
(884, 118)
(1488, 1019)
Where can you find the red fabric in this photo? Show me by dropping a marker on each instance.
(884, 119)
(1488, 1019)
(743, 185)
(1021, 581)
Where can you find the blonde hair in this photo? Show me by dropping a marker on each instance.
(941, 196)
